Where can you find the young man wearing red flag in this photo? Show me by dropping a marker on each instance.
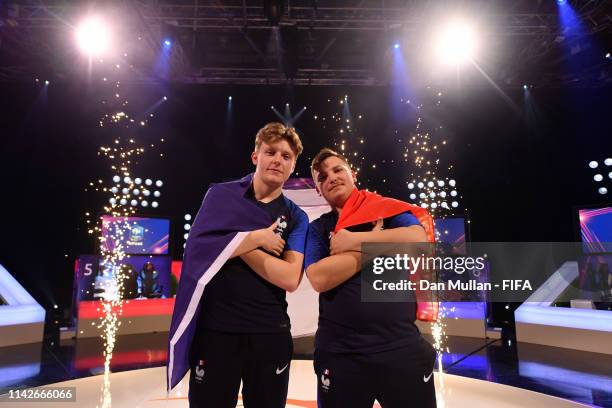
(364, 351)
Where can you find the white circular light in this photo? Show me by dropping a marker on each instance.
(133, 203)
(608, 161)
(138, 180)
(410, 186)
(430, 184)
(127, 180)
(116, 179)
(456, 44)
(610, 175)
(432, 194)
(148, 182)
(453, 193)
(93, 37)
(123, 201)
(593, 164)
(154, 204)
(421, 185)
(422, 195)
(434, 205)
(125, 190)
(144, 203)
(113, 201)
(452, 183)
(187, 227)
(598, 177)
(159, 183)
(442, 194)
(136, 191)
(413, 196)
(146, 193)
(424, 205)
(444, 204)
(187, 217)
(114, 190)
(441, 183)
(156, 193)
(455, 204)
(603, 190)
(186, 235)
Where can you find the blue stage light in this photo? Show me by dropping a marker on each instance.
(167, 43)
(396, 46)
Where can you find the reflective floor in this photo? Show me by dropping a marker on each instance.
(145, 388)
(577, 376)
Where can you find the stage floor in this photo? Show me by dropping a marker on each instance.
(568, 374)
(145, 388)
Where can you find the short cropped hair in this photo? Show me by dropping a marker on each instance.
(324, 154)
(275, 131)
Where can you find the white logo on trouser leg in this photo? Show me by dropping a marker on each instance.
(199, 371)
(325, 380)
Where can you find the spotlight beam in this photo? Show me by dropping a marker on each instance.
(297, 116)
(505, 97)
(152, 108)
(280, 116)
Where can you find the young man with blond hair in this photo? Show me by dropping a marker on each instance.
(244, 252)
(364, 351)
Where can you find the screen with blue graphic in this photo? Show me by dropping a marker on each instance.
(136, 235)
(596, 229)
(451, 230)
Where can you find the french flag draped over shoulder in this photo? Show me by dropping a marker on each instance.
(223, 221)
(364, 206)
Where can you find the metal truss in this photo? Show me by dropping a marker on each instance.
(332, 42)
(373, 15)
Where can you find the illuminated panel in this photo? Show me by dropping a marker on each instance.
(464, 310)
(537, 309)
(128, 358)
(564, 377)
(596, 229)
(21, 308)
(131, 308)
(586, 319)
(15, 374)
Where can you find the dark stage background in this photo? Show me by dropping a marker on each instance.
(519, 179)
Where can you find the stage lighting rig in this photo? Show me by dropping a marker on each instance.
(598, 178)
